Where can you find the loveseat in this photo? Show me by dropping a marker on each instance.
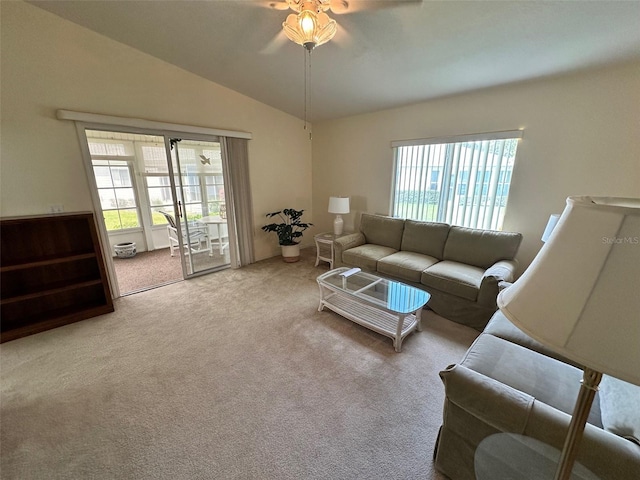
(460, 267)
(509, 383)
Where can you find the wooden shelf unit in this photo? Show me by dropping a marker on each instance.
(51, 273)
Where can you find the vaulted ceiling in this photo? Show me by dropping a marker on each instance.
(385, 54)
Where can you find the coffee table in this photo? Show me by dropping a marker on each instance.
(385, 306)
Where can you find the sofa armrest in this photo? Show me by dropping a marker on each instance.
(345, 243)
(494, 403)
(496, 406)
(502, 271)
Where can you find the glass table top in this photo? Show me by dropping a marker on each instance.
(389, 294)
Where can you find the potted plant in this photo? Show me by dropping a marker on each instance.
(288, 231)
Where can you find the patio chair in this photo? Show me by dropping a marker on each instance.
(197, 242)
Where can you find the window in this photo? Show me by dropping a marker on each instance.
(117, 194)
(461, 180)
(201, 176)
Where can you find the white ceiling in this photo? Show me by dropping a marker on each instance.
(380, 57)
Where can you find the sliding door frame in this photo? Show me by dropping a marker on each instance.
(137, 126)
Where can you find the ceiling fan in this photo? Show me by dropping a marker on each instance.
(310, 26)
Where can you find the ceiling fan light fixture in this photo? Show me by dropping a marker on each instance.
(309, 28)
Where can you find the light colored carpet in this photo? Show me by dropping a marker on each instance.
(158, 267)
(235, 375)
(146, 270)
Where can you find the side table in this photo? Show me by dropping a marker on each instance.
(324, 247)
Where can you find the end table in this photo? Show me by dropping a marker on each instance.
(324, 247)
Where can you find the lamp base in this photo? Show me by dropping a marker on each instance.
(338, 225)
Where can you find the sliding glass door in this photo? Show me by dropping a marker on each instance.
(200, 207)
(166, 196)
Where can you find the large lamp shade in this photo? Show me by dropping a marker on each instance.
(580, 297)
(581, 294)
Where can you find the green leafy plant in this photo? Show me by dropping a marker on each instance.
(290, 228)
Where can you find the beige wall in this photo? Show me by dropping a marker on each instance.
(581, 131)
(581, 137)
(49, 64)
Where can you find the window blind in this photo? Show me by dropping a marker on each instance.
(463, 181)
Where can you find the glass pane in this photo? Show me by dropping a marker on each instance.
(121, 176)
(106, 148)
(154, 159)
(160, 196)
(126, 197)
(214, 207)
(192, 194)
(209, 180)
(190, 180)
(129, 218)
(194, 211)
(212, 193)
(157, 217)
(158, 181)
(103, 177)
(187, 156)
(112, 219)
(107, 199)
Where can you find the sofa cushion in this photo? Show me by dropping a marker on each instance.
(546, 379)
(454, 278)
(620, 408)
(425, 237)
(406, 265)
(381, 230)
(500, 326)
(366, 256)
(481, 248)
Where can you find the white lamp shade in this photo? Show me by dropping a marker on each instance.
(580, 296)
(339, 205)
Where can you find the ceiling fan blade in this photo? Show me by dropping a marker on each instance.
(343, 38)
(340, 7)
(277, 4)
(275, 44)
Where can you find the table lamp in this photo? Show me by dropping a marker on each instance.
(338, 205)
(580, 298)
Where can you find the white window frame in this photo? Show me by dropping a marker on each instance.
(130, 161)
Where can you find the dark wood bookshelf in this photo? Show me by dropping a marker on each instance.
(51, 273)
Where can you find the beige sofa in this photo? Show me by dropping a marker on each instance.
(509, 383)
(460, 267)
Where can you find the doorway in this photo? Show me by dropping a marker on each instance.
(177, 222)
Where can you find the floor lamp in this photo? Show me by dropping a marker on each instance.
(580, 298)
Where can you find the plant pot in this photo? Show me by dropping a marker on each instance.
(290, 253)
(125, 250)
